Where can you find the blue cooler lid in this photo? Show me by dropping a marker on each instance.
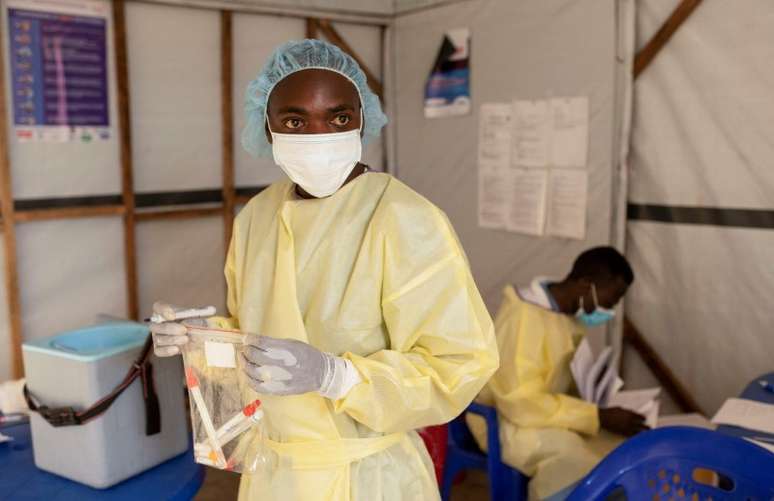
(91, 343)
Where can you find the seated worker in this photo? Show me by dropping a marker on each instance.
(545, 433)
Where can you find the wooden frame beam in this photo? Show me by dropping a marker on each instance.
(311, 27)
(335, 38)
(125, 135)
(645, 56)
(9, 231)
(69, 213)
(660, 369)
(172, 214)
(227, 118)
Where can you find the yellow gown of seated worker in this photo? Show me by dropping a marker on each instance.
(545, 433)
(375, 274)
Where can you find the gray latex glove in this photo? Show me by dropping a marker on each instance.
(290, 367)
(169, 336)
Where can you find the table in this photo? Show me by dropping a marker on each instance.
(177, 479)
(754, 391)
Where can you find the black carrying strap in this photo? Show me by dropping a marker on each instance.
(142, 368)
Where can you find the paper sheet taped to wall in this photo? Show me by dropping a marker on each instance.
(550, 133)
(568, 190)
(526, 213)
(517, 141)
(570, 131)
(494, 135)
(531, 135)
(493, 165)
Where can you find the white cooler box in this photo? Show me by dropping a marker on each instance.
(77, 369)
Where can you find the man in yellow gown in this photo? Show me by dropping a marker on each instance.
(546, 433)
(365, 321)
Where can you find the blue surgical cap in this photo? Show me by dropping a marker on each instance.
(303, 55)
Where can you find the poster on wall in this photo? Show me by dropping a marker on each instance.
(447, 91)
(58, 68)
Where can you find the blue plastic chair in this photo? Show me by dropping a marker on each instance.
(659, 464)
(463, 453)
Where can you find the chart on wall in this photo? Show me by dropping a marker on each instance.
(532, 158)
(58, 63)
(447, 90)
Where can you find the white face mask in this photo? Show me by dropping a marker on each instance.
(318, 163)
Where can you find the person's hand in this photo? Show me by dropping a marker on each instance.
(284, 366)
(169, 336)
(290, 367)
(622, 421)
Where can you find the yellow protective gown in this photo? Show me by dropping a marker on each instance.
(545, 433)
(375, 274)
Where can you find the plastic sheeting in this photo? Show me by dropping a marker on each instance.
(703, 116)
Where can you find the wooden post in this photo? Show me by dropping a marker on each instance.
(660, 369)
(311, 27)
(662, 36)
(227, 117)
(178, 214)
(24, 216)
(331, 34)
(125, 134)
(9, 232)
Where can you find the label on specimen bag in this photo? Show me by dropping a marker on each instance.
(220, 354)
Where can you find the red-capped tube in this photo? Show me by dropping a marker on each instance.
(250, 409)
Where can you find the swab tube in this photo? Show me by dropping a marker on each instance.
(193, 386)
(234, 427)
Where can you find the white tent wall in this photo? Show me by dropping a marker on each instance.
(701, 139)
(406, 6)
(526, 50)
(378, 8)
(174, 82)
(174, 73)
(69, 272)
(72, 270)
(181, 262)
